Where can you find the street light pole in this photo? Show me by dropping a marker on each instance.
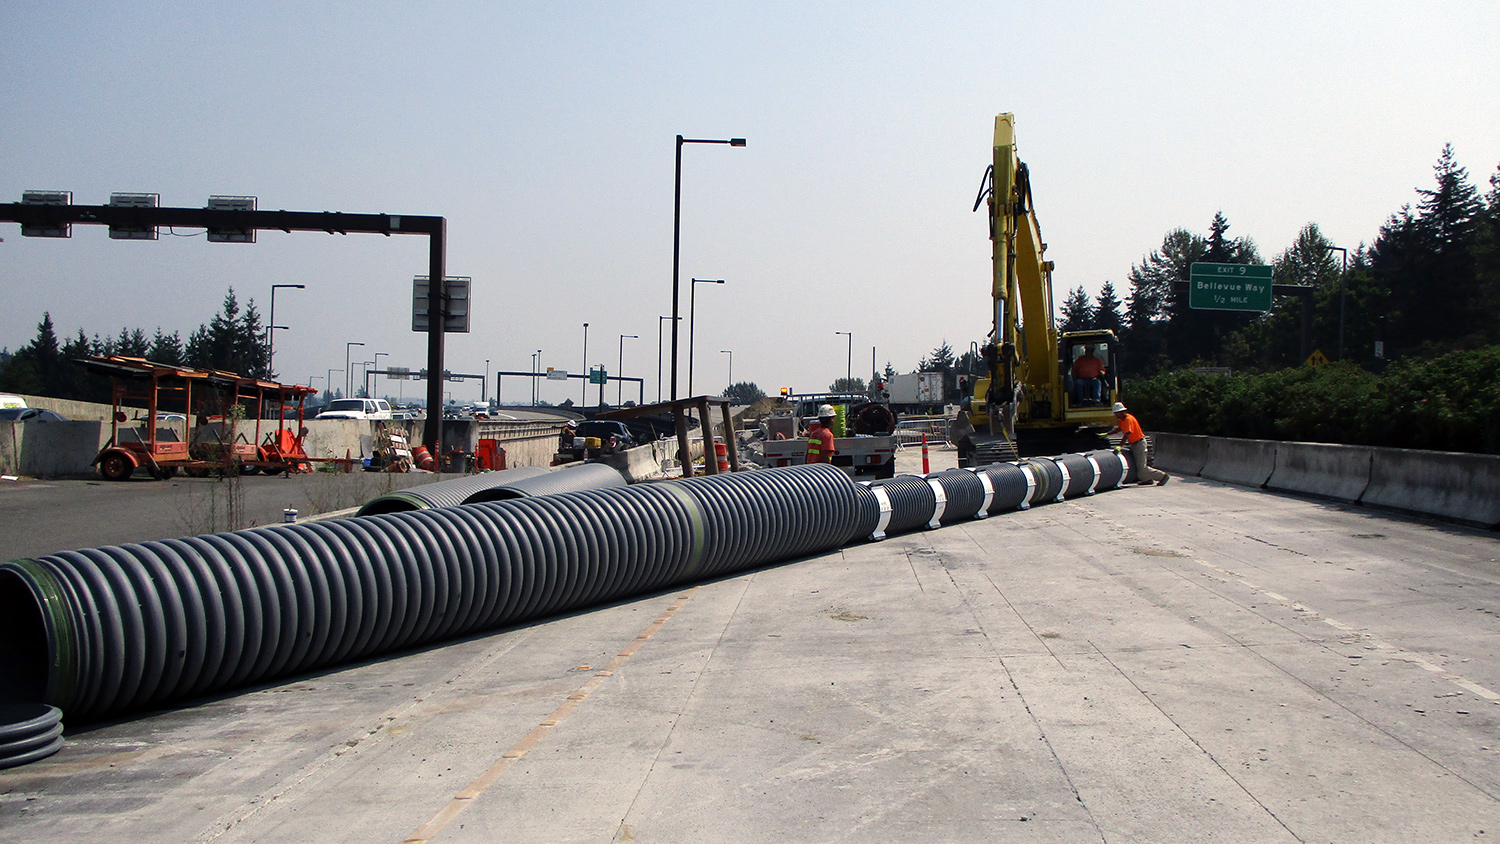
(378, 356)
(619, 382)
(328, 382)
(731, 365)
(583, 399)
(677, 239)
(1343, 271)
(484, 386)
(692, 322)
(271, 329)
(658, 353)
(348, 383)
(849, 364)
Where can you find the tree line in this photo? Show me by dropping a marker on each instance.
(233, 340)
(1427, 285)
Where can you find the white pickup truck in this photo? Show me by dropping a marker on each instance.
(868, 451)
(356, 409)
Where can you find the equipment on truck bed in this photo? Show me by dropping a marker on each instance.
(1030, 401)
(863, 445)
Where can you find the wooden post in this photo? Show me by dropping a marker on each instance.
(710, 459)
(734, 454)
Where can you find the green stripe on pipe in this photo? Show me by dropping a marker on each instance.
(62, 639)
(695, 513)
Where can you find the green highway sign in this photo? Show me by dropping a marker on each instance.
(1229, 287)
(598, 376)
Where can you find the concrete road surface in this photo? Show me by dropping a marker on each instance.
(1195, 662)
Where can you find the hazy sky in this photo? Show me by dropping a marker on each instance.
(544, 133)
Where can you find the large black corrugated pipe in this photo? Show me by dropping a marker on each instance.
(754, 518)
(28, 732)
(569, 479)
(912, 502)
(1082, 472)
(874, 513)
(449, 493)
(1049, 479)
(963, 493)
(104, 631)
(1112, 466)
(1014, 486)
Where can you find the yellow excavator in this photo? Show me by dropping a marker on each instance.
(1045, 392)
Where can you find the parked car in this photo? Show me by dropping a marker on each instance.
(30, 414)
(357, 409)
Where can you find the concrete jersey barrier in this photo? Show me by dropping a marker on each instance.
(1463, 487)
(1340, 472)
(1445, 485)
(1243, 462)
(1184, 454)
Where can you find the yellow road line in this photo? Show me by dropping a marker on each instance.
(463, 799)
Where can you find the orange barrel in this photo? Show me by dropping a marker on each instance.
(422, 457)
(721, 451)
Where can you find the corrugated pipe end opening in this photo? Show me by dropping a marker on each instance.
(24, 655)
(497, 494)
(389, 504)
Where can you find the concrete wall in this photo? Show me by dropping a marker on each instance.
(1456, 487)
(51, 449)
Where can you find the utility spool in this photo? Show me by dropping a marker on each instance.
(840, 420)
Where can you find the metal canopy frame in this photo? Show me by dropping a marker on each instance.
(332, 222)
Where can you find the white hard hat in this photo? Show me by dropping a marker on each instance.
(1118, 408)
(825, 410)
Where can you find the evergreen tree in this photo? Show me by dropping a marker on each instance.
(1486, 305)
(1077, 312)
(166, 348)
(1107, 315)
(847, 385)
(232, 341)
(1448, 220)
(37, 367)
(132, 343)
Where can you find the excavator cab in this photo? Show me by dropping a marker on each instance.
(1090, 373)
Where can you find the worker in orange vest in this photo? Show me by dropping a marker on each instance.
(820, 437)
(1135, 440)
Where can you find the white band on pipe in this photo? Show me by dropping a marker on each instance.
(885, 511)
(942, 503)
(989, 494)
(1095, 482)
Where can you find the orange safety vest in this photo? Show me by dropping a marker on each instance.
(819, 444)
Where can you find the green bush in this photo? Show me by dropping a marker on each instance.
(1449, 403)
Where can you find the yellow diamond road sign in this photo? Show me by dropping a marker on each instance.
(1317, 358)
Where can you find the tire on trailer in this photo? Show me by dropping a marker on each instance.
(115, 467)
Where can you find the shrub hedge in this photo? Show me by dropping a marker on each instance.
(1448, 403)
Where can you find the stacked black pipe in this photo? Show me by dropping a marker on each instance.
(28, 732)
(449, 493)
(104, 631)
(108, 630)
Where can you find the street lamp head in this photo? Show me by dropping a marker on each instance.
(736, 142)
